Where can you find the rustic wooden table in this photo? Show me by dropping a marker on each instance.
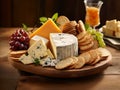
(10, 79)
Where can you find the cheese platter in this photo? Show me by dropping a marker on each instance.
(54, 73)
(65, 51)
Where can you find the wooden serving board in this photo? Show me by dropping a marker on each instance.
(52, 72)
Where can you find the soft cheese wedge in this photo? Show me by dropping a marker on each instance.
(47, 28)
(37, 38)
(63, 45)
(38, 49)
(26, 59)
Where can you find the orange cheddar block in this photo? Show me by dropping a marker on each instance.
(47, 28)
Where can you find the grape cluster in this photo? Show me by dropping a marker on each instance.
(19, 40)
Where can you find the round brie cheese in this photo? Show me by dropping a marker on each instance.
(64, 45)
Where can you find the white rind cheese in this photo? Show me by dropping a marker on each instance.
(26, 59)
(38, 50)
(63, 45)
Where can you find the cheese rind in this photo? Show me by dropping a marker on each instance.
(50, 53)
(47, 28)
(63, 45)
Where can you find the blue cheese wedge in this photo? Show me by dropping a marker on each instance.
(47, 61)
(63, 45)
(38, 50)
(26, 59)
(37, 38)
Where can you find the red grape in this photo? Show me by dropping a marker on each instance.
(17, 44)
(19, 40)
(12, 43)
(22, 39)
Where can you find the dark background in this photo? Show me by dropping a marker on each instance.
(15, 12)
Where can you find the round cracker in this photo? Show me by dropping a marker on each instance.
(80, 63)
(86, 37)
(75, 60)
(86, 56)
(70, 27)
(104, 52)
(61, 20)
(94, 54)
(72, 31)
(17, 54)
(81, 27)
(96, 60)
(64, 63)
(88, 41)
(86, 47)
(81, 35)
(14, 59)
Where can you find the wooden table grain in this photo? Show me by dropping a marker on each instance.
(11, 79)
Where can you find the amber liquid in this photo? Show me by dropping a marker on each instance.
(92, 16)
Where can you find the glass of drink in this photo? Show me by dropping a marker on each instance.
(93, 12)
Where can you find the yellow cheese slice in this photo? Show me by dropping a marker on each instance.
(47, 28)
